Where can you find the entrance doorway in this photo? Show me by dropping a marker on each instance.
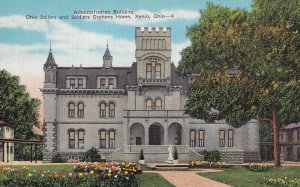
(156, 134)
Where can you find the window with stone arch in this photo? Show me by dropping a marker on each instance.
(158, 71)
(110, 83)
(71, 108)
(111, 109)
(81, 134)
(112, 138)
(230, 138)
(192, 138)
(148, 104)
(201, 138)
(158, 104)
(148, 71)
(80, 112)
(222, 138)
(163, 44)
(102, 109)
(102, 134)
(71, 134)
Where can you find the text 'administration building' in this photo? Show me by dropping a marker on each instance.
(120, 110)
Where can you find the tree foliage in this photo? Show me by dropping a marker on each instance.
(263, 45)
(16, 106)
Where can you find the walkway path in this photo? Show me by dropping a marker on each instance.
(188, 178)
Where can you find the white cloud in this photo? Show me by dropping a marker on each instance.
(19, 21)
(176, 49)
(173, 15)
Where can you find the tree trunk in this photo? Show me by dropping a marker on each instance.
(276, 135)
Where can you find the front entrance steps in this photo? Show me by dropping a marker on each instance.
(165, 167)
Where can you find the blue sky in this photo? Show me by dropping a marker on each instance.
(24, 43)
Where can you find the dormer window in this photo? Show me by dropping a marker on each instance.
(102, 83)
(110, 83)
(72, 83)
(157, 71)
(149, 71)
(80, 83)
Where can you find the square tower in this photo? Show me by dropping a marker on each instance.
(153, 53)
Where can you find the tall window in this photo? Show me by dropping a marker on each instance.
(222, 138)
(111, 139)
(72, 83)
(110, 83)
(192, 138)
(80, 110)
(80, 83)
(102, 110)
(102, 139)
(71, 138)
(81, 139)
(111, 110)
(158, 71)
(230, 138)
(102, 83)
(149, 71)
(201, 138)
(71, 110)
(158, 104)
(149, 104)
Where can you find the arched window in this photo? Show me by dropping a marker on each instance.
(163, 44)
(159, 44)
(80, 110)
(111, 138)
(222, 138)
(157, 71)
(102, 134)
(192, 138)
(81, 139)
(149, 104)
(102, 110)
(71, 138)
(111, 110)
(143, 44)
(230, 138)
(71, 110)
(149, 71)
(158, 104)
(201, 138)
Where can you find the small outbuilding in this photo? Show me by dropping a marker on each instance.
(6, 148)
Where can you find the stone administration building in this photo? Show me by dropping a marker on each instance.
(120, 110)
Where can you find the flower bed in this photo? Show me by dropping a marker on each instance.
(257, 167)
(206, 164)
(108, 167)
(284, 182)
(111, 174)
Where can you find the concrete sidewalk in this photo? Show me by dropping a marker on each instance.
(189, 178)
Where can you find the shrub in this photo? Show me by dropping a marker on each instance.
(257, 167)
(175, 154)
(92, 155)
(212, 156)
(141, 156)
(57, 158)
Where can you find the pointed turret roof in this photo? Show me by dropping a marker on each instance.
(107, 54)
(50, 60)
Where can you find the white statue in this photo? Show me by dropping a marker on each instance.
(170, 150)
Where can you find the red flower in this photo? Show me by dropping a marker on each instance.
(49, 175)
(132, 173)
(97, 175)
(22, 174)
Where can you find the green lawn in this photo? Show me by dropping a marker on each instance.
(146, 179)
(242, 177)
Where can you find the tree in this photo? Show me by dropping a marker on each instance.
(17, 108)
(248, 65)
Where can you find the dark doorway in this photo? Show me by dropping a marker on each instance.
(138, 140)
(156, 134)
(298, 153)
(289, 153)
(1, 152)
(174, 134)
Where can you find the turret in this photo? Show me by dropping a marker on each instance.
(107, 58)
(50, 68)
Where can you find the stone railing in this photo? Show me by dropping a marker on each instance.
(154, 82)
(154, 148)
(154, 114)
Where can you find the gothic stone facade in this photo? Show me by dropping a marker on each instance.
(121, 110)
